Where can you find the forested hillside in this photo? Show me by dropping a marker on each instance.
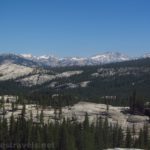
(88, 83)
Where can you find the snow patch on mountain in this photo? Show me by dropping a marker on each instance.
(43, 57)
(110, 57)
(78, 58)
(29, 56)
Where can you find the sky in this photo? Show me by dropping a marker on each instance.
(75, 27)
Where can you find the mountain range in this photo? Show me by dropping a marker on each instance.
(52, 61)
(29, 60)
(87, 77)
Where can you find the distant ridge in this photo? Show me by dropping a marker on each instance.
(98, 59)
(52, 61)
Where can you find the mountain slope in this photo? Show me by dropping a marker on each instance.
(16, 59)
(12, 71)
(88, 82)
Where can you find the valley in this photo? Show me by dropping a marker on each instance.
(110, 97)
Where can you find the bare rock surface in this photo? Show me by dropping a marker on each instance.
(115, 115)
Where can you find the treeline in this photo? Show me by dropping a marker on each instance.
(68, 135)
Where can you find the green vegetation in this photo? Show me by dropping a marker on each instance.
(67, 135)
(116, 85)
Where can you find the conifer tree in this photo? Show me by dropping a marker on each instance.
(146, 135)
(105, 133)
(63, 137)
(120, 142)
(86, 122)
(41, 117)
(12, 128)
(128, 140)
(141, 139)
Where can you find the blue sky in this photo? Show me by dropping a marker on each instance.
(75, 27)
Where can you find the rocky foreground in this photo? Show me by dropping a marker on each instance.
(115, 115)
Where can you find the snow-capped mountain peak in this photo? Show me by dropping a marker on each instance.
(77, 58)
(110, 57)
(27, 55)
(43, 57)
